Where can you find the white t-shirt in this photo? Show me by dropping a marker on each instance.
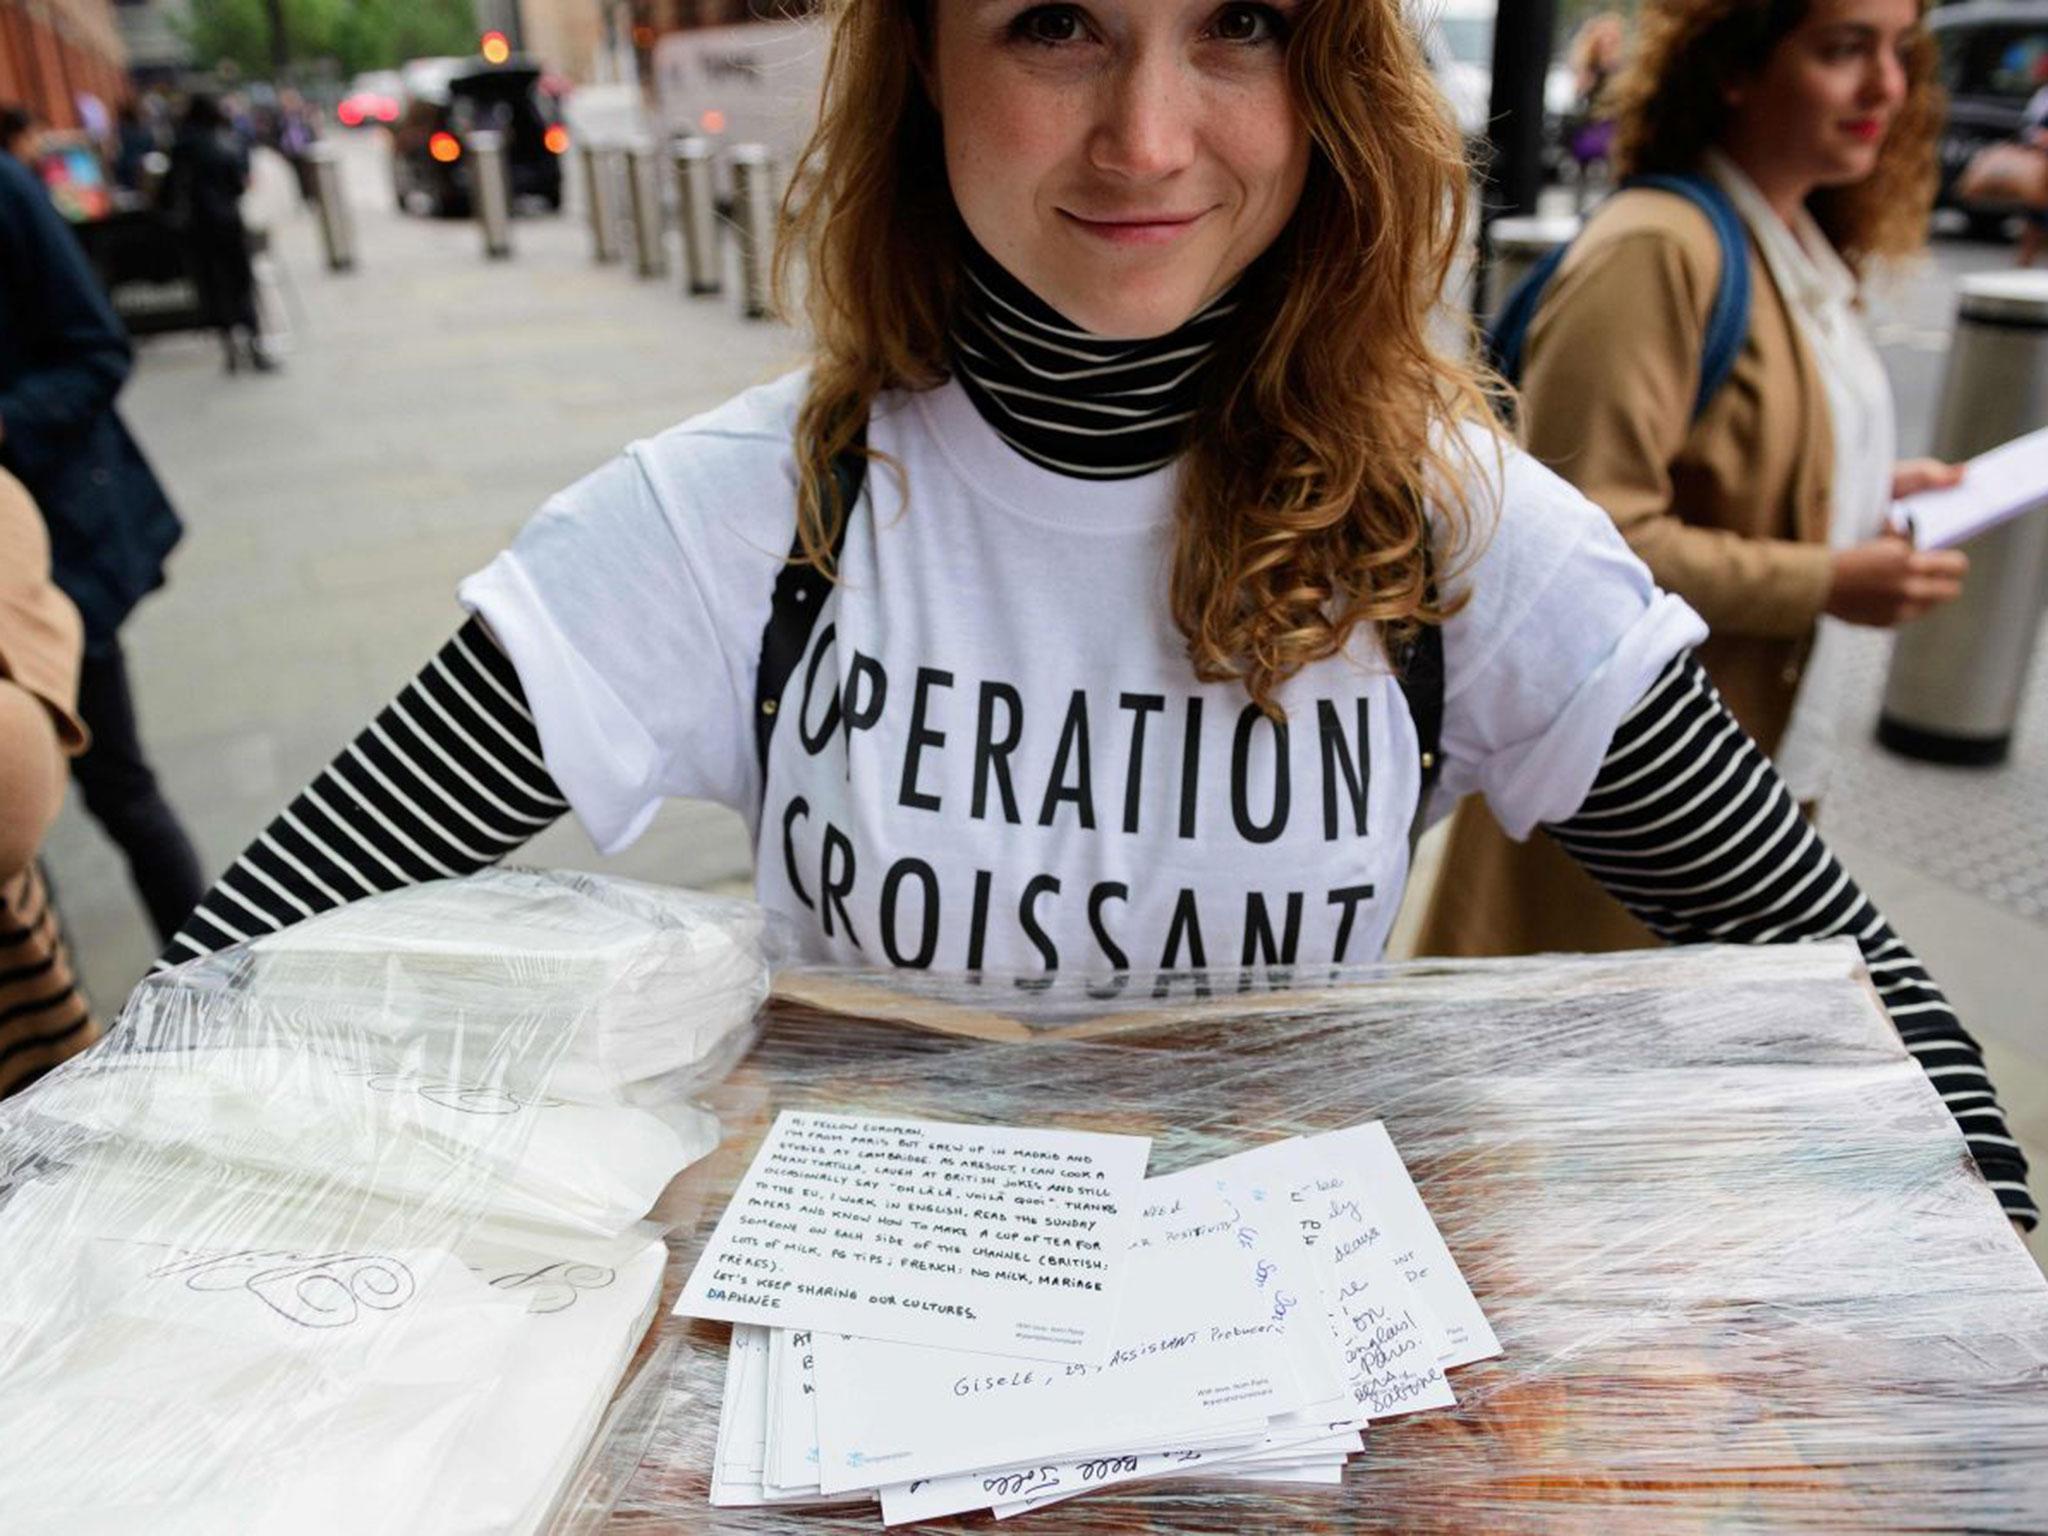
(994, 753)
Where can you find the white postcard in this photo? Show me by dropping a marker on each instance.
(1401, 1226)
(1197, 1354)
(994, 1239)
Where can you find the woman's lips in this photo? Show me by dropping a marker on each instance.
(1867, 129)
(1141, 229)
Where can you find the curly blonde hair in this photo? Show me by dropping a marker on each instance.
(1669, 108)
(1322, 437)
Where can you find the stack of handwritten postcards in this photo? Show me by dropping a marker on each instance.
(955, 1317)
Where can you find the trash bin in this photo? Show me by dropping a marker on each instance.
(1957, 676)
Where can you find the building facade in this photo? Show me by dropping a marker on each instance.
(54, 51)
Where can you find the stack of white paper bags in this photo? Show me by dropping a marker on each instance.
(366, 1250)
(1272, 1305)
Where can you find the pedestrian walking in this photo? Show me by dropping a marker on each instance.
(1763, 496)
(1125, 576)
(1595, 56)
(202, 194)
(63, 359)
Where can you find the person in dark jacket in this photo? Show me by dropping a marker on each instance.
(63, 359)
(202, 195)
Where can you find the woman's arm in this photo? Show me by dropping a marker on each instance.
(446, 780)
(1689, 826)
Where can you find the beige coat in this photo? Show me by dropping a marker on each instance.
(43, 1017)
(1730, 513)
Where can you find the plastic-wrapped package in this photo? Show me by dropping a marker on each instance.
(346, 1231)
(1744, 1271)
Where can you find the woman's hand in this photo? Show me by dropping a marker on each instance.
(1887, 581)
(1912, 476)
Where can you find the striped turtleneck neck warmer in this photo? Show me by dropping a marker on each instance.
(1070, 401)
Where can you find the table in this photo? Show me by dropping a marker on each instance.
(1744, 1271)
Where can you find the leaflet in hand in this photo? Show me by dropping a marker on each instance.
(987, 1238)
(2003, 483)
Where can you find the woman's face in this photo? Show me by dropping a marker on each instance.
(1819, 109)
(1124, 159)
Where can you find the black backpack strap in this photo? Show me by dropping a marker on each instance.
(1420, 669)
(799, 597)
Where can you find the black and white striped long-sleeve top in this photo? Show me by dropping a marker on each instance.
(446, 780)
(1687, 824)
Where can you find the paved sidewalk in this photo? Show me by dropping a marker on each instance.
(430, 401)
(433, 399)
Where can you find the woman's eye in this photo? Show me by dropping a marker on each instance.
(1049, 25)
(1249, 24)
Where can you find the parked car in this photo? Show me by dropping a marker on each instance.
(445, 100)
(371, 99)
(1994, 56)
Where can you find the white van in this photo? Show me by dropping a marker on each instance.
(751, 83)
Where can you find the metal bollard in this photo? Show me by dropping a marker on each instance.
(337, 229)
(600, 186)
(694, 211)
(1958, 675)
(650, 224)
(1517, 245)
(754, 213)
(490, 191)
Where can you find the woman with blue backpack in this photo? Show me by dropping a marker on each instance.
(1124, 578)
(1696, 363)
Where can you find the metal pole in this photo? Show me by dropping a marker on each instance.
(1524, 34)
(650, 225)
(600, 186)
(754, 213)
(694, 211)
(1518, 244)
(490, 191)
(337, 231)
(1958, 675)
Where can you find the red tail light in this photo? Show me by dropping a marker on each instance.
(350, 114)
(556, 139)
(385, 110)
(445, 147)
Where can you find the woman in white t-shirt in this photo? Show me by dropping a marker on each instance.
(1148, 562)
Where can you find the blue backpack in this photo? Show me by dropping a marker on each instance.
(1727, 321)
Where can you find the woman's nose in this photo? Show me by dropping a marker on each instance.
(1885, 83)
(1147, 120)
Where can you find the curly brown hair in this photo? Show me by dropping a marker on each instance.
(1324, 433)
(1669, 108)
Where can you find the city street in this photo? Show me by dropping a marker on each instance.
(431, 400)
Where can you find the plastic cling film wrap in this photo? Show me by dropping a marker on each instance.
(347, 1230)
(1744, 1272)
